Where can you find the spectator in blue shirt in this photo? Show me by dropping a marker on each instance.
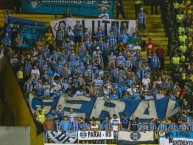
(154, 65)
(162, 127)
(53, 115)
(173, 126)
(78, 29)
(114, 95)
(100, 33)
(6, 40)
(65, 124)
(141, 20)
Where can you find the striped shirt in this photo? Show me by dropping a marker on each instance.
(154, 61)
(111, 40)
(141, 17)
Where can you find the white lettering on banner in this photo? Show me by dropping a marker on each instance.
(92, 25)
(95, 135)
(170, 109)
(96, 108)
(144, 105)
(63, 101)
(100, 106)
(136, 136)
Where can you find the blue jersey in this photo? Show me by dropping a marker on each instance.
(64, 124)
(125, 122)
(134, 125)
(141, 17)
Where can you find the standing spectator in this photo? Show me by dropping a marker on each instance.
(124, 123)
(78, 29)
(65, 124)
(141, 20)
(162, 127)
(154, 5)
(6, 40)
(137, 7)
(6, 15)
(18, 43)
(183, 127)
(160, 52)
(72, 115)
(144, 127)
(150, 46)
(154, 65)
(115, 125)
(104, 15)
(133, 124)
(60, 112)
(120, 9)
(48, 126)
(66, 14)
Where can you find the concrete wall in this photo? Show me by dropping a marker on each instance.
(14, 135)
(18, 106)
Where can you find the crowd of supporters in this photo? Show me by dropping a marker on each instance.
(110, 66)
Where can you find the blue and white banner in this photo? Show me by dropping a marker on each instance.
(100, 107)
(76, 7)
(125, 137)
(20, 22)
(30, 34)
(95, 135)
(176, 138)
(62, 137)
(92, 25)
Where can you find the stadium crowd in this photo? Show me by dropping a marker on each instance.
(95, 65)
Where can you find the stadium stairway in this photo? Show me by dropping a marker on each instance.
(154, 27)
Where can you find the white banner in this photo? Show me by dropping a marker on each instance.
(136, 136)
(95, 135)
(176, 138)
(92, 25)
(176, 141)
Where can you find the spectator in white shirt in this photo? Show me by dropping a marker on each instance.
(36, 71)
(146, 81)
(104, 15)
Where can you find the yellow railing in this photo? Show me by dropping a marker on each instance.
(17, 104)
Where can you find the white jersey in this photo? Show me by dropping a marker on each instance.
(115, 123)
